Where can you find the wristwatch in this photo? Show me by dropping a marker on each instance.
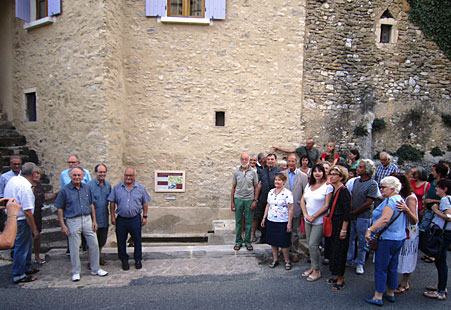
(145, 216)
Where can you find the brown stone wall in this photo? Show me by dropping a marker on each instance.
(350, 79)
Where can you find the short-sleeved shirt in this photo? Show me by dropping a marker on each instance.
(382, 172)
(100, 200)
(19, 188)
(65, 178)
(313, 154)
(445, 204)
(324, 155)
(397, 230)
(129, 203)
(278, 205)
(245, 182)
(74, 202)
(4, 179)
(361, 190)
(315, 200)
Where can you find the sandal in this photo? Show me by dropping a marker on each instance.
(311, 278)
(428, 259)
(28, 278)
(273, 264)
(40, 261)
(31, 271)
(331, 281)
(435, 295)
(287, 266)
(254, 239)
(307, 273)
(434, 288)
(237, 247)
(402, 289)
(337, 287)
(249, 247)
(103, 262)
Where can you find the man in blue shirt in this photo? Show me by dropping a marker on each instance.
(16, 165)
(100, 189)
(386, 168)
(73, 161)
(74, 203)
(131, 199)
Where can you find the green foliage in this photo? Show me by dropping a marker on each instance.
(361, 131)
(378, 124)
(446, 118)
(408, 152)
(415, 115)
(436, 151)
(434, 19)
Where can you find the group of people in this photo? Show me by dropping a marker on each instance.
(360, 200)
(83, 205)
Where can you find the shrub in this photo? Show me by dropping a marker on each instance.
(378, 124)
(446, 118)
(436, 151)
(408, 152)
(361, 131)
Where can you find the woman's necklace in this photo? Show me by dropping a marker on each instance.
(277, 193)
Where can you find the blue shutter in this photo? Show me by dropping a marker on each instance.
(156, 8)
(215, 9)
(23, 10)
(54, 7)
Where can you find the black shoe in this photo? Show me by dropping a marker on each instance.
(138, 265)
(125, 265)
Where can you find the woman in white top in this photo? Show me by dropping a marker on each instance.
(314, 204)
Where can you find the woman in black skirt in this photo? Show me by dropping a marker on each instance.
(277, 218)
(340, 220)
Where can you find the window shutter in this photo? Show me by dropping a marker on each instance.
(215, 9)
(156, 8)
(54, 7)
(23, 10)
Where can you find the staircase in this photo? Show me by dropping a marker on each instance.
(12, 143)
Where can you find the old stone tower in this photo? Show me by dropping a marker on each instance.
(171, 87)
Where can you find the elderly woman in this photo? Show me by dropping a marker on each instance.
(340, 220)
(314, 204)
(409, 252)
(390, 242)
(277, 219)
(442, 216)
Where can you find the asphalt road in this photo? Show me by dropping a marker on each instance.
(268, 289)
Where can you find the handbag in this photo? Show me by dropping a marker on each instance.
(431, 241)
(373, 243)
(327, 220)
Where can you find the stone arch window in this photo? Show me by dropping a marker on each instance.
(386, 29)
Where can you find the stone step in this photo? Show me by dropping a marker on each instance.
(13, 140)
(4, 124)
(52, 234)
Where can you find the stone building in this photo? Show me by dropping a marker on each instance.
(157, 87)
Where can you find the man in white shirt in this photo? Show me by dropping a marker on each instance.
(19, 188)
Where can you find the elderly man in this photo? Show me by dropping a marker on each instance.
(243, 201)
(15, 163)
(265, 184)
(253, 160)
(296, 182)
(131, 199)
(74, 203)
(10, 231)
(364, 192)
(261, 162)
(311, 152)
(73, 161)
(19, 188)
(100, 190)
(385, 169)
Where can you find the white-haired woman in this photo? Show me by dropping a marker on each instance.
(390, 242)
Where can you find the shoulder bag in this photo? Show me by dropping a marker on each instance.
(327, 220)
(373, 243)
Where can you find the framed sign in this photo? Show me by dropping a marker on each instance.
(169, 181)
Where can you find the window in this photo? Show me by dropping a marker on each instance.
(186, 8)
(385, 33)
(30, 105)
(36, 13)
(220, 119)
(386, 30)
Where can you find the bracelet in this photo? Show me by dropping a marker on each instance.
(343, 230)
(12, 216)
(369, 230)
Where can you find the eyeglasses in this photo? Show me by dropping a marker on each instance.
(334, 174)
(71, 162)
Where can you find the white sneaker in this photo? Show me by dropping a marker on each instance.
(76, 277)
(100, 273)
(359, 269)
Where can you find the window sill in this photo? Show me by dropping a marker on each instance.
(39, 22)
(185, 20)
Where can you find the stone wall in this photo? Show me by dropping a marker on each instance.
(351, 79)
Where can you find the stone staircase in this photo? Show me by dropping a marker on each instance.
(12, 143)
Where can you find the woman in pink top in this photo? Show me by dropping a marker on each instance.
(419, 184)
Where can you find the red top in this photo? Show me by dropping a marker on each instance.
(323, 156)
(420, 192)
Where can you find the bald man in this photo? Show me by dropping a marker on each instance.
(131, 200)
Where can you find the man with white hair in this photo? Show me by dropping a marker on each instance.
(386, 168)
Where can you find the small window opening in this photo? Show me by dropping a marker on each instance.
(387, 14)
(30, 109)
(220, 118)
(385, 33)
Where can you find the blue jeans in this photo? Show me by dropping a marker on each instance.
(359, 227)
(132, 226)
(386, 264)
(22, 250)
